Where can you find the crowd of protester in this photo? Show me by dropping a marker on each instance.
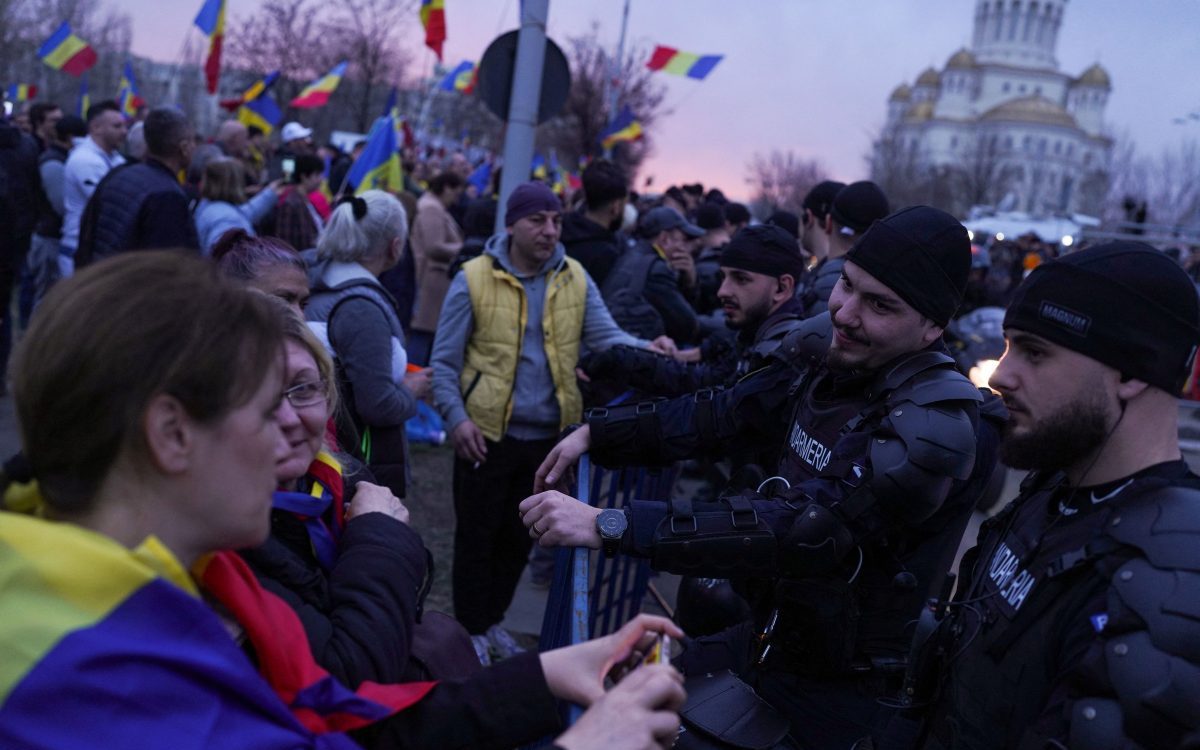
(274, 335)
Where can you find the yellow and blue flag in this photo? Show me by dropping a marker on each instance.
(433, 20)
(461, 78)
(85, 99)
(378, 166)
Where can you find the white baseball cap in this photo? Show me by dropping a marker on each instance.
(294, 131)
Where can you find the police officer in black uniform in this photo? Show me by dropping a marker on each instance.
(880, 465)
(1077, 622)
(759, 268)
(853, 210)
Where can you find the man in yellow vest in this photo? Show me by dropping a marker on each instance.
(504, 357)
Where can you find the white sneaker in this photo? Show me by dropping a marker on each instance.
(481, 643)
(502, 642)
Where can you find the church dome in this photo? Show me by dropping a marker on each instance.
(1032, 109)
(961, 59)
(902, 93)
(1095, 76)
(920, 112)
(929, 78)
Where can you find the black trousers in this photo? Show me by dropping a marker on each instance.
(490, 542)
(832, 712)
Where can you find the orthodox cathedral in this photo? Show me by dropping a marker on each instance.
(1002, 113)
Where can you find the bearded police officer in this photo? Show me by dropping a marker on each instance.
(759, 266)
(1077, 622)
(879, 461)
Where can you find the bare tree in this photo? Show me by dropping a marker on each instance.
(1168, 183)
(369, 34)
(899, 172)
(780, 180)
(576, 132)
(283, 35)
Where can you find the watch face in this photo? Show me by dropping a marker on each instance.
(611, 524)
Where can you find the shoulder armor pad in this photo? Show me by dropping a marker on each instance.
(828, 275)
(938, 440)
(1164, 523)
(928, 379)
(808, 341)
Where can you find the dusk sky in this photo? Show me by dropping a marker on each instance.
(807, 76)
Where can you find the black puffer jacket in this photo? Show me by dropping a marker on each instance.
(20, 184)
(359, 615)
(596, 248)
(136, 207)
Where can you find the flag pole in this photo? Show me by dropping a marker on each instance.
(614, 93)
(526, 97)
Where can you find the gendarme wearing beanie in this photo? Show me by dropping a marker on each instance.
(857, 206)
(765, 249)
(1123, 304)
(923, 255)
(529, 199)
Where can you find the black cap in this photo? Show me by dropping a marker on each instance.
(923, 255)
(710, 216)
(736, 213)
(820, 198)
(766, 249)
(858, 205)
(1123, 304)
(787, 221)
(662, 218)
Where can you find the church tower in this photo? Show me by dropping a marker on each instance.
(1021, 33)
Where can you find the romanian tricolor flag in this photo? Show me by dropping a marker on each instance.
(625, 127)
(211, 21)
(317, 93)
(103, 646)
(433, 19)
(127, 94)
(671, 60)
(462, 78)
(66, 52)
(378, 166)
(21, 92)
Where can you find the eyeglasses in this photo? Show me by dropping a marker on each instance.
(303, 395)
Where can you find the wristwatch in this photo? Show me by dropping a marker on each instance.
(611, 523)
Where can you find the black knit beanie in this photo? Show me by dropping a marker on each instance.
(821, 196)
(859, 205)
(1121, 303)
(528, 199)
(766, 249)
(923, 255)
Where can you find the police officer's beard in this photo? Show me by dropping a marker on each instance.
(1063, 439)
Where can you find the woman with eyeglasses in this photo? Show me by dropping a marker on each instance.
(155, 433)
(341, 553)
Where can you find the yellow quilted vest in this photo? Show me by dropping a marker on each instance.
(490, 362)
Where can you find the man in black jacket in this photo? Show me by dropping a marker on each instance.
(644, 292)
(590, 235)
(758, 272)
(142, 206)
(881, 453)
(20, 186)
